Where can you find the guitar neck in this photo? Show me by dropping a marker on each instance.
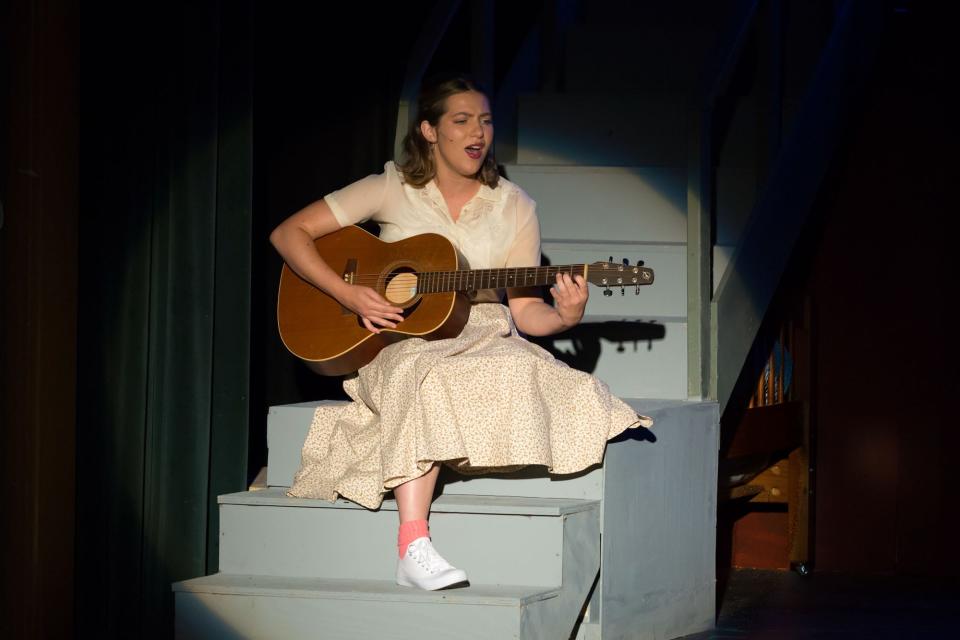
(476, 279)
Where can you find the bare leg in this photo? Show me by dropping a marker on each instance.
(420, 565)
(414, 497)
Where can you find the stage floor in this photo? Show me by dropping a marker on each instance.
(783, 605)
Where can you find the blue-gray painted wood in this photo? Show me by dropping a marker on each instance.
(256, 606)
(479, 504)
(585, 204)
(356, 589)
(636, 367)
(287, 428)
(699, 202)
(721, 261)
(497, 540)
(581, 563)
(659, 511)
(268, 608)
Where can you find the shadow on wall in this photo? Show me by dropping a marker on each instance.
(584, 340)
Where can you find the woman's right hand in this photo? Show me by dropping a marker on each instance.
(372, 308)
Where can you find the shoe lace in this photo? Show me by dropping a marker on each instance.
(426, 556)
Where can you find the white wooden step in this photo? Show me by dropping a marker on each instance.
(658, 503)
(268, 607)
(233, 605)
(497, 540)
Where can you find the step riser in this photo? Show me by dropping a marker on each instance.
(638, 368)
(264, 607)
(204, 616)
(287, 429)
(607, 204)
(361, 545)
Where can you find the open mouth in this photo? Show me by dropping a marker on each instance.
(475, 151)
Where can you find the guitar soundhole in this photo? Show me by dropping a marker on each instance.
(401, 287)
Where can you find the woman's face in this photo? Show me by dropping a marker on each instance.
(463, 136)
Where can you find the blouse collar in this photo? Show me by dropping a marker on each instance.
(484, 193)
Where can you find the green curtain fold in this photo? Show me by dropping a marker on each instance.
(166, 115)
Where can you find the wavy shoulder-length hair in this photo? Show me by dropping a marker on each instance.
(417, 164)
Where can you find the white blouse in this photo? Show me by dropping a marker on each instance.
(497, 228)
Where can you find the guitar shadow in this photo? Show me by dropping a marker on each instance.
(581, 346)
(583, 343)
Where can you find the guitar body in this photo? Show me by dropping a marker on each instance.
(330, 338)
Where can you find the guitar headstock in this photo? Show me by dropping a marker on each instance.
(618, 274)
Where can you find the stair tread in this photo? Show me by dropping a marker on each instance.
(380, 590)
(277, 496)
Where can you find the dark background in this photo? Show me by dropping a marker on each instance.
(148, 150)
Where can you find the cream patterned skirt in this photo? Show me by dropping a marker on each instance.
(487, 400)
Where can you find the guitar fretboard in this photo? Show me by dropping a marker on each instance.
(476, 279)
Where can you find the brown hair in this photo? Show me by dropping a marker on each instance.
(417, 165)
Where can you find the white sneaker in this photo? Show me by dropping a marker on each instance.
(422, 567)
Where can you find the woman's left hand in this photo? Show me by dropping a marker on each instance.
(570, 295)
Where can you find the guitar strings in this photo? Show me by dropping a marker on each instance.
(479, 274)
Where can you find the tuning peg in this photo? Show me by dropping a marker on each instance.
(607, 292)
(626, 262)
(640, 263)
(621, 290)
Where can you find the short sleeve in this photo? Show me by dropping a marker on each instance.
(525, 250)
(359, 201)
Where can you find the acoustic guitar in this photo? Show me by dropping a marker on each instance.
(424, 276)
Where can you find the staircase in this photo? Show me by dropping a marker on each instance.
(532, 545)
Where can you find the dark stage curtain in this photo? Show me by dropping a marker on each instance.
(165, 234)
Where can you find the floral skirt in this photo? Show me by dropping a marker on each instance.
(487, 400)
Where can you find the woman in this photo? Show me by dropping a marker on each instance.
(487, 399)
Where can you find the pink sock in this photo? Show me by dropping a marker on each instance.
(410, 531)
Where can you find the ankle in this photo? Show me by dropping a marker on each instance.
(410, 531)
